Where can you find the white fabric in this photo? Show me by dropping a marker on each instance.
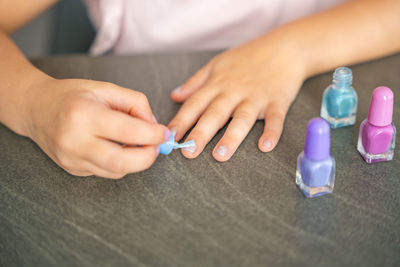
(137, 26)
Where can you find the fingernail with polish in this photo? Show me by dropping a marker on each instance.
(167, 135)
(221, 150)
(267, 144)
(192, 148)
(177, 90)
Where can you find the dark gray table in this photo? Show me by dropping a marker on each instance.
(245, 212)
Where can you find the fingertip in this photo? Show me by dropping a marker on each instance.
(166, 136)
(177, 91)
(176, 94)
(266, 143)
(161, 134)
(189, 153)
(219, 158)
(221, 153)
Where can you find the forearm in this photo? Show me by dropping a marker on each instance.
(16, 13)
(353, 32)
(17, 76)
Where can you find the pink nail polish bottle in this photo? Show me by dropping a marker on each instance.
(377, 135)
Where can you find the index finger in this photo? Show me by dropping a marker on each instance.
(129, 101)
(120, 127)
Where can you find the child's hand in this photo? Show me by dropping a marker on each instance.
(80, 124)
(250, 82)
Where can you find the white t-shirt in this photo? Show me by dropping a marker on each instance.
(140, 26)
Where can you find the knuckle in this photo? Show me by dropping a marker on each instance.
(184, 116)
(276, 115)
(194, 100)
(214, 110)
(109, 85)
(73, 112)
(244, 114)
(218, 79)
(230, 97)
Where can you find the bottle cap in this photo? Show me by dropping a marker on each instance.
(167, 147)
(317, 145)
(381, 107)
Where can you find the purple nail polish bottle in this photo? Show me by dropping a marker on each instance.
(315, 174)
(376, 139)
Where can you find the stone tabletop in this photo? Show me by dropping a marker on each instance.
(245, 212)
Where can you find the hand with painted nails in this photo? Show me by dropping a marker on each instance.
(93, 128)
(255, 81)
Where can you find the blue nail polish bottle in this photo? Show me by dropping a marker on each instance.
(339, 101)
(315, 174)
(167, 147)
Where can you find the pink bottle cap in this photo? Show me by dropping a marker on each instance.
(381, 107)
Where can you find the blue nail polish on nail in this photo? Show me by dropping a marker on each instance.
(167, 147)
(315, 174)
(177, 89)
(221, 150)
(339, 101)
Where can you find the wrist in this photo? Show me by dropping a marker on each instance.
(288, 50)
(295, 44)
(31, 101)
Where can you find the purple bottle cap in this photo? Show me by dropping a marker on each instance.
(381, 107)
(317, 145)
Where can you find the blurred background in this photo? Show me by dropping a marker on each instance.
(63, 29)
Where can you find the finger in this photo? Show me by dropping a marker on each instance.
(89, 169)
(122, 128)
(120, 160)
(195, 82)
(213, 119)
(274, 121)
(130, 102)
(242, 121)
(191, 111)
(100, 172)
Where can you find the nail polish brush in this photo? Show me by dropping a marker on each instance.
(167, 147)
